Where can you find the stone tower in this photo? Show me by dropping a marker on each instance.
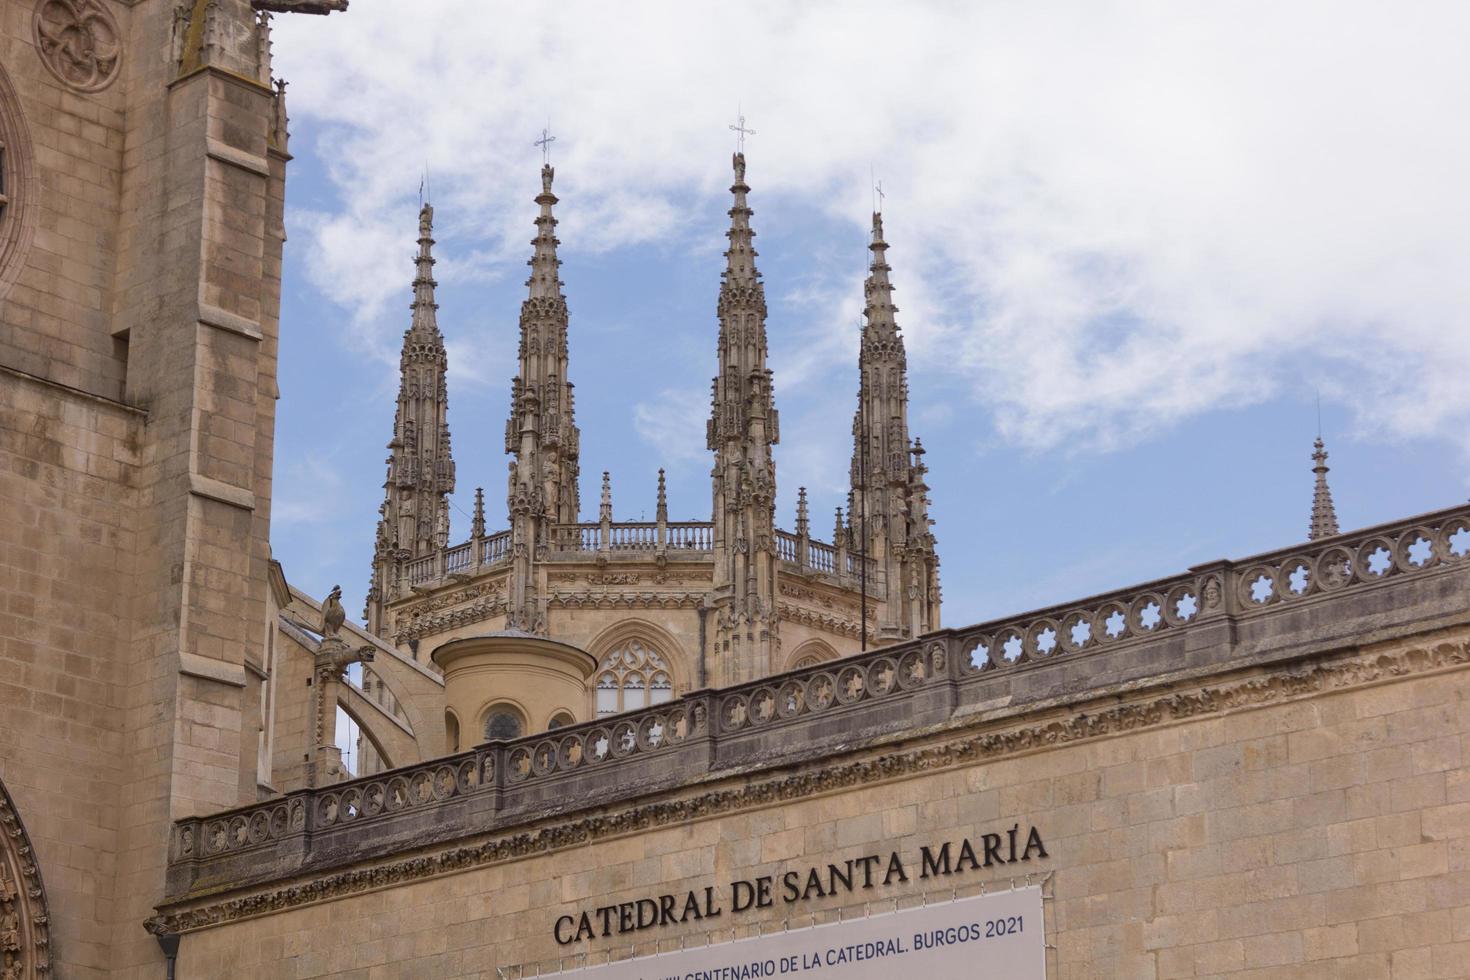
(141, 231)
(888, 505)
(415, 513)
(540, 435)
(743, 427)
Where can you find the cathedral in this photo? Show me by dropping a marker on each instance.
(715, 748)
(546, 619)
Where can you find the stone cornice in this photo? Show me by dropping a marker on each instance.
(968, 742)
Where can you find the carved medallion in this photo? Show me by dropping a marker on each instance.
(25, 935)
(79, 42)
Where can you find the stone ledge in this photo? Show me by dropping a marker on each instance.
(213, 316)
(204, 668)
(232, 156)
(221, 492)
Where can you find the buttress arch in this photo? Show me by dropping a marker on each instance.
(25, 935)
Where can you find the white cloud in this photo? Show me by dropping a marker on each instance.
(673, 422)
(1105, 217)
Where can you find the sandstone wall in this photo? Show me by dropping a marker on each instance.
(1284, 824)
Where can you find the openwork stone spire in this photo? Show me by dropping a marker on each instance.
(415, 513)
(540, 434)
(886, 485)
(742, 428)
(1324, 515)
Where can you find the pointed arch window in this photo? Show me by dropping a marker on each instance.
(632, 676)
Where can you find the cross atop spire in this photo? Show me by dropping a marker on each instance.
(1324, 515)
(741, 131)
(545, 143)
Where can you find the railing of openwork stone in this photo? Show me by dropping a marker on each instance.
(625, 538)
(822, 557)
(494, 548)
(420, 570)
(459, 558)
(1235, 589)
(691, 536)
(1064, 651)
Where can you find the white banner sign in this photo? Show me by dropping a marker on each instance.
(988, 937)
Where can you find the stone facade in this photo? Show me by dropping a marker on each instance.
(140, 240)
(1254, 767)
(1260, 782)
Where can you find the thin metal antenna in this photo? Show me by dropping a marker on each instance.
(741, 129)
(1319, 413)
(545, 143)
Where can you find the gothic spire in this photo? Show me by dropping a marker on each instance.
(888, 498)
(415, 511)
(742, 428)
(1324, 515)
(540, 434)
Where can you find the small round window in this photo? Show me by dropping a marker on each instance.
(503, 724)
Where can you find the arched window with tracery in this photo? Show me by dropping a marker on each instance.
(632, 676)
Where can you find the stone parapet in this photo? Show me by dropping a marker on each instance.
(1331, 597)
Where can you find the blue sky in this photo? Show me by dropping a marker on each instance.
(1131, 246)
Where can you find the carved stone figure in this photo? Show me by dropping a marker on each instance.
(333, 615)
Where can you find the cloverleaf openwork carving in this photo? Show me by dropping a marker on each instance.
(79, 42)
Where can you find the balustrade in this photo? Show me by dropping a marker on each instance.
(494, 548)
(916, 684)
